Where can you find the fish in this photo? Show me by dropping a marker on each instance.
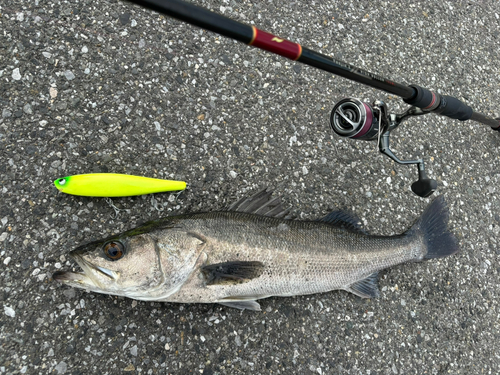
(251, 251)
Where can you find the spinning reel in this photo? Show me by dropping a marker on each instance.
(354, 119)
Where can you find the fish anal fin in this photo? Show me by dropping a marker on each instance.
(344, 220)
(366, 288)
(242, 305)
(232, 272)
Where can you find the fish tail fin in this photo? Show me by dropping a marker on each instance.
(433, 226)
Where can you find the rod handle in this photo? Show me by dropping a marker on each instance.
(442, 104)
(453, 108)
(422, 98)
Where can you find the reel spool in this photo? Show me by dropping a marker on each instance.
(352, 118)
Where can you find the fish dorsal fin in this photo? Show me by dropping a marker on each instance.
(343, 220)
(261, 203)
(366, 288)
(232, 272)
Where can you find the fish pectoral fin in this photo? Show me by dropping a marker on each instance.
(242, 305)
(232, 272)
(366, 288)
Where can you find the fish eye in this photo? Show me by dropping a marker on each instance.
(114, 250)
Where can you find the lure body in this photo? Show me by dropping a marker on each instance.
(114, 185)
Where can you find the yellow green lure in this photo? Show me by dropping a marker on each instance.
(114, 185)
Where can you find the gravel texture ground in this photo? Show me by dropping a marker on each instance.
(105, 86)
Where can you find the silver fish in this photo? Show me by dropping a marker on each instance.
(251, 252)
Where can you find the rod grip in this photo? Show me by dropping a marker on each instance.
(453, 108)
(422, 98)
(442, 104)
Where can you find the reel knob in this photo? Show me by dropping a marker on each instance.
(352, 118)
(424, 186)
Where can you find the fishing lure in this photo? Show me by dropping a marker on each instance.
(114, 185)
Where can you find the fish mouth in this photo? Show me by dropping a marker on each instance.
(91, 278)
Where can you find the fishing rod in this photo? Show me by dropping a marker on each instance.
(350, 117)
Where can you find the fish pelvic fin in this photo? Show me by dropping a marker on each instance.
(366, 288)
(433, 226)
(242, 305)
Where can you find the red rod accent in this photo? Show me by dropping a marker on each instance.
(432, 102)
(272, 43)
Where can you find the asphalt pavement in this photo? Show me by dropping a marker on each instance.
(106, 86)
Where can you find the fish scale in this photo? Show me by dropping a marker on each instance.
(237, 257)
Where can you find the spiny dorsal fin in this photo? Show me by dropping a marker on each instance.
(232, 272)
(366, 288)
(343, 220)
(261, 203)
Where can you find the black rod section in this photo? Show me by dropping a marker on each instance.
(490, 121)
(200, 17)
